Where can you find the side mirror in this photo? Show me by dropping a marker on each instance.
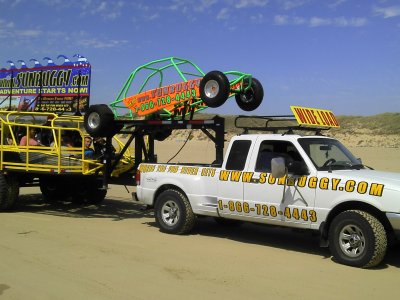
(278, 167)
(297, 168)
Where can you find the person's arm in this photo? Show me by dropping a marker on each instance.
(22, 142)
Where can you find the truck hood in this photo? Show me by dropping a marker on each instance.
(391, 180)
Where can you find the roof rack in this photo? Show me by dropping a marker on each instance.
(288, 129)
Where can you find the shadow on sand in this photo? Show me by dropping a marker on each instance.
(269, 236)
(110, 208)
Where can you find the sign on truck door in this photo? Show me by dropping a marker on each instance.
(269, 199)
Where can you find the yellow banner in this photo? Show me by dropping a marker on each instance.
(314, 117)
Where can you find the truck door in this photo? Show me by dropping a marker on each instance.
(230, 183)
(269, 200)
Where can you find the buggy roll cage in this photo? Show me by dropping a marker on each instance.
(157, 68)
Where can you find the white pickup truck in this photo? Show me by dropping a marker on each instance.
(300, 181)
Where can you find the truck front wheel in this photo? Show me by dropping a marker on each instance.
(358, 239)
(173, 212)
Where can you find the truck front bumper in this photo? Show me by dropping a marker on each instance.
(394, 220)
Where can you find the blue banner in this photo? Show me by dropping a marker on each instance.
(63, 88)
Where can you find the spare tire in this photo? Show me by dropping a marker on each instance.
(251, 99)
(98, 121)
(214, 89)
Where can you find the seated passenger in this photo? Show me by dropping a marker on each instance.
(32, 139)
(89, 152)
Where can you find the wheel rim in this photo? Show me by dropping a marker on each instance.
(93, 120)
(352, 241)
(170, 213)
(211, 88)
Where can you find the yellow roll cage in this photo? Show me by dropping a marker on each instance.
(54, 157)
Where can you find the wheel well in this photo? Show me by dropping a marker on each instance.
(164, 188)
(358, 206)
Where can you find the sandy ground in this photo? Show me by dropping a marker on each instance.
(115, 251)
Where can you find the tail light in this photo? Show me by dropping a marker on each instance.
(137, 177)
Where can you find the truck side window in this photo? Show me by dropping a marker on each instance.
(271, 149)
(238, 155)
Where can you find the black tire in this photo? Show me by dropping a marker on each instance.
(252, 98)
(96, 196)
(52, 190)
(98, 121)
(173, 212)
(9, 191)
(88, 191)
(358, 239)
(214, 89)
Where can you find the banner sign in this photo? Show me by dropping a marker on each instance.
(54, 88)
(314, 117)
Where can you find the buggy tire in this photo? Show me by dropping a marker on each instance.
(358, 239)
(98, 121)
(173, 212)
(251, 99)
(214, 89)
(9, 191)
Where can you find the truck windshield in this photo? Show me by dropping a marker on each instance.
(329, 154)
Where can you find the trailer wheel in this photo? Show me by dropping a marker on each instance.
(358, 239)
(98, 121)
(96, 196)
(89, 191)
(214, 89)
(9, 191)
(251, 99)
(52, 190)
(173, 212)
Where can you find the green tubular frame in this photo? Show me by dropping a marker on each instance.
(171, 62)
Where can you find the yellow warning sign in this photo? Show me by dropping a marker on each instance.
(314, 117)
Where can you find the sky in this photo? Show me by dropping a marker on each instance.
(342, 55)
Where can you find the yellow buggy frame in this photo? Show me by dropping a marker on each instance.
(59, 170)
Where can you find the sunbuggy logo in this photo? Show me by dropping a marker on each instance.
(324, 183)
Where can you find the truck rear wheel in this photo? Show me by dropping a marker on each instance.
(173, 212)
(214, 89)
(9, 191)
(251, 99)
(358, 239)
(98, 120)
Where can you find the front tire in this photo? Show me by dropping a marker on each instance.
(173, 212)
(251, 99)
(214, 89)
(358, 239)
